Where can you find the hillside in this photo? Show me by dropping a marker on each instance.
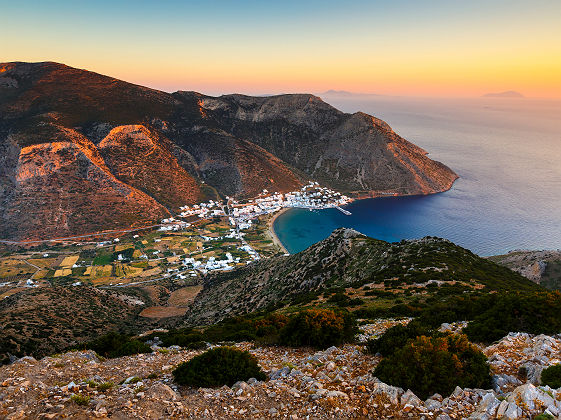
(372, 270)
(542, 267)
(42, 321)
(302, 383)
(81, 152)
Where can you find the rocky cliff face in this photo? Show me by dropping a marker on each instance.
(82, 152)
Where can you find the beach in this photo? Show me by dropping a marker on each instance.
(274, 237)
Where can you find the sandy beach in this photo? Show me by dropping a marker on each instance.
(272, 233)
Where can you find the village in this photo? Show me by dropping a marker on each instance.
(240, 213)
(208, 237)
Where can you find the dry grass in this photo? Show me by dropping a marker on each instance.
(42, 262)
(61, 272)
(184, 296)
(150, 272)
(100, 271)
(69, 261)
(163, 312)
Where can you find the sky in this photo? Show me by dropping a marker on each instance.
(398, 47)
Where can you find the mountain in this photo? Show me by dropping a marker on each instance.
(348, 259)
(81, 152)
(507, 94)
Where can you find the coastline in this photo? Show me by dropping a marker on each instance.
(272, 233)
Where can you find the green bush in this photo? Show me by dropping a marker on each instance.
(537, 313)
(196, 345)
(395, 338)
(131, 347)
(80, 399)
(431, 365)
(319, 328)
(544, 416)
(552, 376)
(116, 345)
(217, 367)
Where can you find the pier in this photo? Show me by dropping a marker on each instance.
(345, 212)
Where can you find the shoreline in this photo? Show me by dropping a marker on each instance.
(358, 197)
(271, 229)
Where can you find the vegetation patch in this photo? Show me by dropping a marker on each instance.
(217, 367)
(552, 376)
(318, 328)
(116, 345)
(431, 365)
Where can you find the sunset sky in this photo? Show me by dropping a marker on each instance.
(398, 47)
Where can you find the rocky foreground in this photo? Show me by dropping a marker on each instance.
(303, 384)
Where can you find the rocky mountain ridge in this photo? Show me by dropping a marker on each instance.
(82, 152)
(348, 259)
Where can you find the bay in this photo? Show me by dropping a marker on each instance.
(508, 156)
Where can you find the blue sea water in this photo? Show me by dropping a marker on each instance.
(507, 153)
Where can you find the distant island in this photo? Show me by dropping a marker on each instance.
(332, 92)
(506, 94)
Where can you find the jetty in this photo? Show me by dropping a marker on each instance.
(345, 212)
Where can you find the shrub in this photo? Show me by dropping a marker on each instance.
(544, 416)
(431, 365)
(552, 376)
(217, 367)
(196, 345)
(105, 386)
(131, 347)
(536, 313)
(319, 328)
(395, 338)
(80, 399)
(116, 345)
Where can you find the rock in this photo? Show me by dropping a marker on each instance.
(502, 380)
(432, 405)
(336, 394)
(531, 396)
(330, 366)
(410, 398)
(486, 407)
(161, 391)
(457, 392)
(280, 373)
(533, 372)
(509, 410)
(239, 385)
(437, 397)
(20, 414)
(252, 381)
(392, 392)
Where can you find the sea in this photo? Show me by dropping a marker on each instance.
(507, 153)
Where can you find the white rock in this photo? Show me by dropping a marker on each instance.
(530, 396)
(392, 392)
(432, 405)
(487, 407)
(410, 398)
(330, 366)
